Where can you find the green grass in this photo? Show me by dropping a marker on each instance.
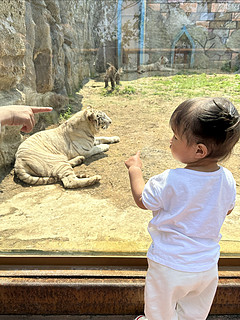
(126, 90)
(198, 85)
(66, 115)
(186, 86)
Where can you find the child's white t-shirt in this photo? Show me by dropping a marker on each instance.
(189, 208)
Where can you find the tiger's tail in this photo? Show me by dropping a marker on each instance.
(32, 180)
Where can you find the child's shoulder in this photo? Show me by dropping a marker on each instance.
(169, 174)
(183, 173)
(226, 171)
(228, 174)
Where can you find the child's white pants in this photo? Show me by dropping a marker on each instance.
(177, 295)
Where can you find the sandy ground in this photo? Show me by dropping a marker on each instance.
(102, 218)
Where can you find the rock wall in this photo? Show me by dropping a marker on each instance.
(44, 57)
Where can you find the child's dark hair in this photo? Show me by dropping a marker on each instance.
(214, 122)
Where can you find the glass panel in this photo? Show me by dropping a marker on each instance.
(168, 51)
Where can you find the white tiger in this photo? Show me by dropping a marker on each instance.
(49, 156)
(159, 65)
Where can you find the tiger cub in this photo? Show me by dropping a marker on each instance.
(112, 75)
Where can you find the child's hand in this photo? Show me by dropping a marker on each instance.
(134, 165)
(134, 161)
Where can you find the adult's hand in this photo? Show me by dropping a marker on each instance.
(16, 115)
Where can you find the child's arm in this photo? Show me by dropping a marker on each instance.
(134, 165)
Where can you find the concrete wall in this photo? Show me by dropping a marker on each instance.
(213, 26)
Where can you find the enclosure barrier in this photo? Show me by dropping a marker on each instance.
(93, 285)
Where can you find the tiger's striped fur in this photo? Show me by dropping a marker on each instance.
(49, 156)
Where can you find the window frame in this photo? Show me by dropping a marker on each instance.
(86, 260)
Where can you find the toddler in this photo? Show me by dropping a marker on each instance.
(189, 206)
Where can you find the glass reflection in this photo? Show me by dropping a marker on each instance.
(168, 51)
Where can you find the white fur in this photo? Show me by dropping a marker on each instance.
(159, 65)
(49, 156)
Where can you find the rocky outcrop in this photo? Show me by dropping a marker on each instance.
(12, 39)
(48, 48)
(42, 56)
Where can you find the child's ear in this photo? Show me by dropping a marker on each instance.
(201, 151)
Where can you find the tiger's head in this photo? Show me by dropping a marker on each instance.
(99, 119)
(85, 123)
(88, 120)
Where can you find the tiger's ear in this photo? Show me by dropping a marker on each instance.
(90, 115)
